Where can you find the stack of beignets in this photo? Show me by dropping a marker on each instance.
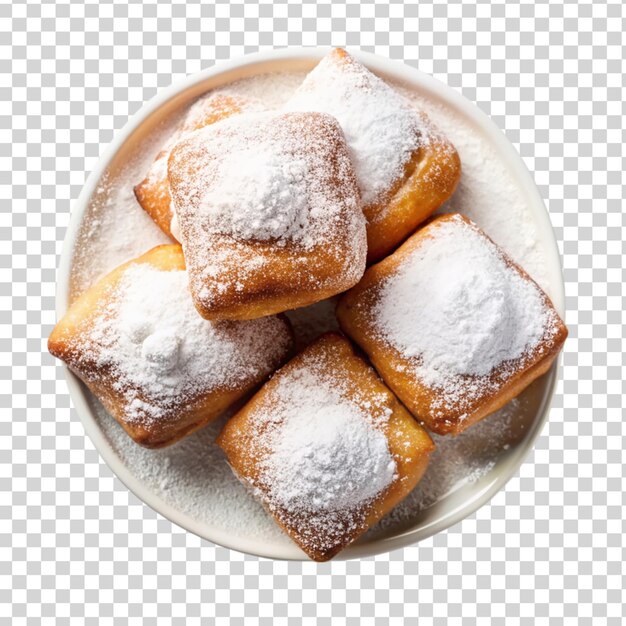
(280, 209)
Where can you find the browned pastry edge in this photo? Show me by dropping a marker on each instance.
(284, 283)
(154, 198)
(432, 176)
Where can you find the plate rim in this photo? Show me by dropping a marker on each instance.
(81, 397)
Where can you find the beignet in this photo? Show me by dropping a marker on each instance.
(452, 324)
(269, 213)
(153, 193)
(326, 447)
(162, 371)
(405, 167)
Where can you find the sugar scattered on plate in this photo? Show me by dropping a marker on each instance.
(487, 192)
(458, 463)
(193, 478)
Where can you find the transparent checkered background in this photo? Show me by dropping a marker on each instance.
(77, 547)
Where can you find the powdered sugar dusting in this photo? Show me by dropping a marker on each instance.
(383, 131)
(214, 106)
(208, 109)
(326, 452)
(457, 311)
(115, 228)
(265, 177)
(322, 454)
(164, 355)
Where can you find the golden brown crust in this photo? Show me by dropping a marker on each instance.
(408, 442)
(153, 195)
(153, 192)
(431, 178)
(286, 279)
(354, 314)
(237, 279)
(65, 343)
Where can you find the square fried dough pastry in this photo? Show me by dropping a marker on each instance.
(153, 193)
(160, 369)
(452, 324)
(326, 447)
(269, 213)
(405, 167)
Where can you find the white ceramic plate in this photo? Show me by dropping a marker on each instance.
(523, 421)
